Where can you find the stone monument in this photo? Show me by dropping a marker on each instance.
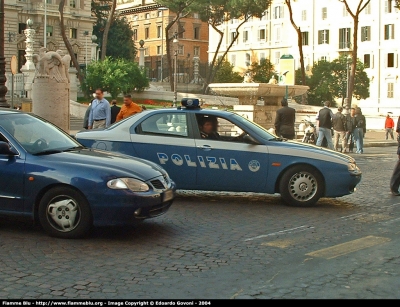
(28, 69)
(51, 87)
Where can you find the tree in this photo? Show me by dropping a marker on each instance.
(299, 42)
(355, 15)
(107, 29)
(115, 76)
(216, 13)
(329, 81)
(66, 41)
(119, 43)
(225, 74)
(262, 72)
(181, 8)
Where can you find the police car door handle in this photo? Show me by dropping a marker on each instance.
(204, 147)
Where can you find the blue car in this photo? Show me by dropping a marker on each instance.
(47, 176)
(237, 155)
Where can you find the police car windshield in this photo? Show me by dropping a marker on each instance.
(256, 128)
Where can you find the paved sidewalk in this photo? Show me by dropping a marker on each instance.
(376, 138)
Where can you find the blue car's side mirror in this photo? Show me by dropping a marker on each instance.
(5, 149)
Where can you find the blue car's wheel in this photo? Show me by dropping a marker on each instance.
(301, 186)
(65, 213)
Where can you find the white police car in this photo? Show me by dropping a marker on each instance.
(242, 156)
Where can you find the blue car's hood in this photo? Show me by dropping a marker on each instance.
(104, 162)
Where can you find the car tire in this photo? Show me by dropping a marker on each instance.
(301, 186)
(65, 213)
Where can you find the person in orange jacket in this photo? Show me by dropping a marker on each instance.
(389, 125)
(129, 108)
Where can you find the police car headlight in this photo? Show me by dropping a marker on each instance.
(353, 168)
(134, 185)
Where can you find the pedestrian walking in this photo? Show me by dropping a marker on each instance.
(87, 113)
(350, 125)
(324, 118)
(129, 108)
(284, 121)
(359, 130)
(339, 128)
(389, 125)
(100, 111)
(114, 110)
(395, 179)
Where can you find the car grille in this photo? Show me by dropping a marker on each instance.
(158, 184)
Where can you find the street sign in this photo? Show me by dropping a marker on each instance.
(14, 65)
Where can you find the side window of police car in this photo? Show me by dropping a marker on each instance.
(166, 124)
(223, 129)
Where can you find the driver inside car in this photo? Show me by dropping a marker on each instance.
(208, 127)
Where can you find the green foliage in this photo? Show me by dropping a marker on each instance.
(115, 76)
(225, 74)
(262, 72)
(119, 43)
(329, 81)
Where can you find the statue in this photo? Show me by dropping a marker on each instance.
(272, 80)
(53, 64)
(248, 78)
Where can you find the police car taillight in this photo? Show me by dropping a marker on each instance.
(190, 103)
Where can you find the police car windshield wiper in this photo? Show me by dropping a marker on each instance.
(74, 148)
(47, 152)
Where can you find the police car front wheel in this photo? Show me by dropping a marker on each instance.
(301, 185)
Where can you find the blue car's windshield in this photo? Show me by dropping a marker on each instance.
(36, 135)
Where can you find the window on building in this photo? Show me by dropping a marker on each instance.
(247, 61)
(367, 60)
(390, 60)
(323, 37)
(48, 1)
(49, 31)
(367, 10)
(344, 38)
(181, 49)
(147, 16)
(324, 13)
(303, 15)
(304, 37)
(233, 59)
(390, 90)
(146, 33)
(277, 34)
(72, 3)
(135, 35)
(262, 56)
(365, 33)
(278, 12)
(196, 51)
(196, 32)
(389, 32)
(233, 35)
(181, 30)
(277, 57)
(72, 32)
(196, 15)
(158, 49)
(323, 58)
(159, 31)
(245, 36)
(262, 34)
(135, 17)
(345, 12)
(388, 6)
(21, 28)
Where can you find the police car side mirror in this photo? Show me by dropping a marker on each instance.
(250, 140)
(7, 150)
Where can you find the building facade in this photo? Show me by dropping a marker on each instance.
(148, 21)
(45, 15)
(327, 31)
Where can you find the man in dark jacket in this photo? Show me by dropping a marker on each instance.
(339, 128)
(284, 121)
(114, 111)
(350, 125)
(359, 130)
(324, 118)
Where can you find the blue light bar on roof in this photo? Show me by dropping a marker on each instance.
(190, 102)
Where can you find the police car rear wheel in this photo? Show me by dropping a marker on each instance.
(301, 186)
